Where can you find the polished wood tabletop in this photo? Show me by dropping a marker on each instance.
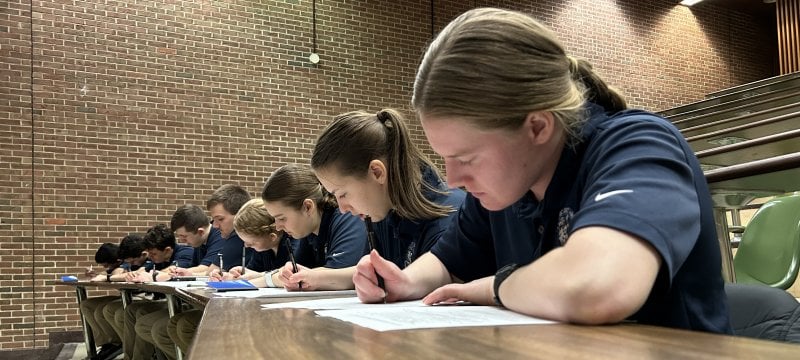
(240, 329)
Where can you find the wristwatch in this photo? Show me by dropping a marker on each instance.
(501, 276)
(155, 275)
(108, 277)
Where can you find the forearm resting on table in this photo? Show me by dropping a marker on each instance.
(600, 276)
(334, 279)
(426, 274)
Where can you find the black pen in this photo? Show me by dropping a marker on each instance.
(244, 251)
(373, 245)
(291, 258)
(221, 269)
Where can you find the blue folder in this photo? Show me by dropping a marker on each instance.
(232, 285)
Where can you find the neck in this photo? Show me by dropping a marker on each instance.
(551, 151)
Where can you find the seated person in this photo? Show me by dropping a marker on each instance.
(328, 238)
(222, 206)
(147, 319)
(257, 229)
(191, 226)
(92, 308)
(135, 261)
(368, 162)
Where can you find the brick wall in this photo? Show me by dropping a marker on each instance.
(141, 106)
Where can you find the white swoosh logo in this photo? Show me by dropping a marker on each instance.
(604, 195)
(337, 254)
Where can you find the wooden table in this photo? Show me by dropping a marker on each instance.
(240, 329)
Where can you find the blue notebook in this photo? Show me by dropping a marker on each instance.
(232, 285)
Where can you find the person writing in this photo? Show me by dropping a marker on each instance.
(368, 161)
(579, 209)
(257, 229)
(326, 238)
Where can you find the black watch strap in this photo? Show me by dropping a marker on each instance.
(108, 277)
(499, 277)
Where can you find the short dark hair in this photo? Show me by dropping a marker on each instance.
(159, 237)
(107, 254)
(131, 246)
(189, 216)
(232, 197)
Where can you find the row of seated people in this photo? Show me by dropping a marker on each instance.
(295, 216)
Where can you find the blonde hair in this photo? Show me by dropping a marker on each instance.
(253, 219)
(492, 67)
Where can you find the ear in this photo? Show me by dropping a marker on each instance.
(377, 171)
(540, 126)
(308, 206)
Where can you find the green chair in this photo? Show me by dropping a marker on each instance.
(769, 252)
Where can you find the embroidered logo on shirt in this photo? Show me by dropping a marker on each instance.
(564, 220)
(337, 254)
(608, 194)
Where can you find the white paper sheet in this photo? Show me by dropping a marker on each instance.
(281, 293)
(336, 304)
(382, 318)
(410, 314)
(179, 284)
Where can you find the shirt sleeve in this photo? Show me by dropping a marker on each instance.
(215, 246)
(184, 256)
(640, 182)
(348, 241)
(466, 248)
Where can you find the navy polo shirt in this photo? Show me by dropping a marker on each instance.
(206, 254)
(268, 260)
(634, 172)
(340, 243)
(401, 240)
(232, 248)
(181, 257)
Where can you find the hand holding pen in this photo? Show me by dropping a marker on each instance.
(292, 260)
(397, 285)
(373, 246)
(89, 272)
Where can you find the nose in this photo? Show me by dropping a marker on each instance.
(344, 206)
(455, 178)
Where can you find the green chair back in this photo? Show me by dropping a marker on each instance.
(769, 252)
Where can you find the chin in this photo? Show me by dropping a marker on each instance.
(492, 205)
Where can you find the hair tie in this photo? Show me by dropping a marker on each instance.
(382, 116)
(573, 65)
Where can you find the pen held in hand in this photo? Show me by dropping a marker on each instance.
(373, 245)
(244, 252)
(291, 258)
